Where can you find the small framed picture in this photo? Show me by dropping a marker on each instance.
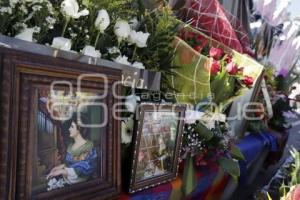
(156, 144)
(60, 139)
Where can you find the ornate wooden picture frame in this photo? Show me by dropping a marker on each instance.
(40, 97)
(156, 145)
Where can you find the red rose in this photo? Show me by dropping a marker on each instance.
(215, 68)
(191, 35)
(248, 80)
(228, 58)
(199, 38)
(198, 48)
(232, 68)
(216, 53)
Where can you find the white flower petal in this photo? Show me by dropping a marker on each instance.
(122, 29)
(61, 43)
(26, 34)
(138, 65)
(102, 21)
(91, 51)
(122, 60)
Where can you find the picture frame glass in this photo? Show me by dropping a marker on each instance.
(158, 138)
(68, 139)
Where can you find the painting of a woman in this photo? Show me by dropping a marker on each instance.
(81, 157)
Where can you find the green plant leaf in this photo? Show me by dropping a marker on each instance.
(204, 132)
(230, 166)
(236, 153)
(189, 176)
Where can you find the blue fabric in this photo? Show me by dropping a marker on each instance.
(251, 146)
(157, 196)
(84, 167)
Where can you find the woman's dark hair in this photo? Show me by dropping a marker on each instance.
(83, 120)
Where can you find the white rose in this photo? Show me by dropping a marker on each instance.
(122, 29)
(122, 60)
(131, 103)
(61, 43)
(138, 38)
(138, 65)
(141, 40)
(91, 51)
(132, 37)
(102, 21)
(26, 34)
(70, 9)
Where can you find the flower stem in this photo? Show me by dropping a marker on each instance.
(119, 43)
(97, 38)
(134, 52)
(65, 26)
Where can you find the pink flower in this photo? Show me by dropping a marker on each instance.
(248, 80)
(215, 68)
(216, 53)
(296, 193)
(232, 68)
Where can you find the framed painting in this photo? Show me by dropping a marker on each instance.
(157, 142)
(60, 139)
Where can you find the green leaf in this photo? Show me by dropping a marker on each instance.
(204, 132)
(236, 153)
(176, 194)
(189, 176)
(230, 166)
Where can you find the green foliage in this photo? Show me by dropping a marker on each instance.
(256, 126)
(189, 178)
(295, 174)
(225, 83)
(230, 166)
(204, 132)
(278, 121)
(17, 15)
(123, 9)
(236, 153)
(158, 55)
(269, 73)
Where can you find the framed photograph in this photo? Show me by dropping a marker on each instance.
(157, 143)
(60, 139)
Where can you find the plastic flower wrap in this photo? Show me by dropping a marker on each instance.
(231, 73)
